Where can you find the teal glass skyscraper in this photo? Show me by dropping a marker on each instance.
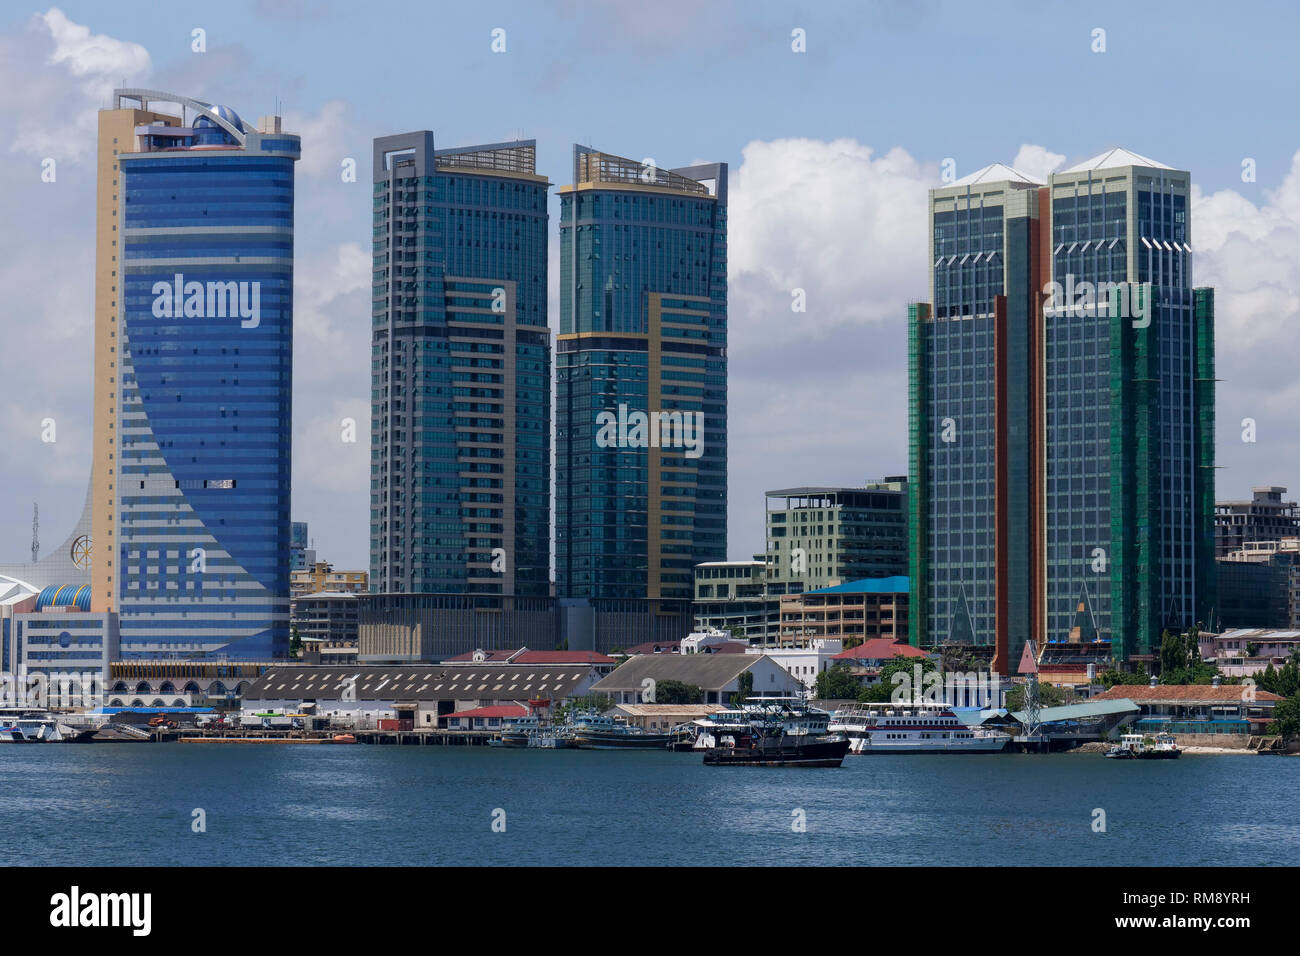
(1062, 413)
(641, 378)
(1129, 418)
(461, 367)
(972, 437)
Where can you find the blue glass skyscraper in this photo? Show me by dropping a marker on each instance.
(461, 367)
(204, 384)
(641, 378)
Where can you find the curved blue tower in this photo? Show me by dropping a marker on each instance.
(206, 320)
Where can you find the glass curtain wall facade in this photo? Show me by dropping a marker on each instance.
(461, 366)
(1129, 417)
(641, 378)
(972, 397)
(205, 385)
(1062, 413)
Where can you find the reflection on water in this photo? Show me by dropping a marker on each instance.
(131, 804)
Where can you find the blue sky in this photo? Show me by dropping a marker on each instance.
(831, 152)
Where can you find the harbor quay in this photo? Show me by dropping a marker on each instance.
(680, 700)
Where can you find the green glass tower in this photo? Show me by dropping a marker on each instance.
(1062, 413)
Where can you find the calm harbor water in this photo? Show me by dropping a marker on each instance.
(131, 804)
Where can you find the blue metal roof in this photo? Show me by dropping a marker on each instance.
(64, 595)
(867, 586)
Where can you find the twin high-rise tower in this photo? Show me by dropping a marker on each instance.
(461, 370)
(641, 378)
(1062, 413)
(461, 374)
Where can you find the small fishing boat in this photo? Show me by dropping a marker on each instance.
(599, 732)
(1145, 747)
(774, 732)
(515, 732)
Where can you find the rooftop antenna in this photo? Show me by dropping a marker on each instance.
(36, 525)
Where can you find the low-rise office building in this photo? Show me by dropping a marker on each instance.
(411, 627)
(1246, 652)
(1266, 517)
(1252, 593)
(1247, 593)
(329, 616)
(853, 612)
(733, 596)
(321, 576)
(806, 660)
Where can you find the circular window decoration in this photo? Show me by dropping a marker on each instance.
(80, 552)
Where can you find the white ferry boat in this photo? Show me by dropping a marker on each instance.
(912, 728)
(23, 725)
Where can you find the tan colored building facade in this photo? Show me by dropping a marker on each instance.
(116, 135)
(852, 615)
(321, 576)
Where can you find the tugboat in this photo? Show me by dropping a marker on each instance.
(773, 732)
(1144, 747)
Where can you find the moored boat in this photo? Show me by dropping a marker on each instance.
(913, 728)
(771, 732)
(600, 732)
(1145, 747)
(515, 732)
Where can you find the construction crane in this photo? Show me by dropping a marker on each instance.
(36, 525)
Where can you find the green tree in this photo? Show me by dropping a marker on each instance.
(837, 683)
(883, 690)
(599, 703)
(1049, 695)
(295, 642)
(1110, 677)
(744, 687)
(1283, 681)
(675, 692)
(1180, 659)
(1286, 719)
